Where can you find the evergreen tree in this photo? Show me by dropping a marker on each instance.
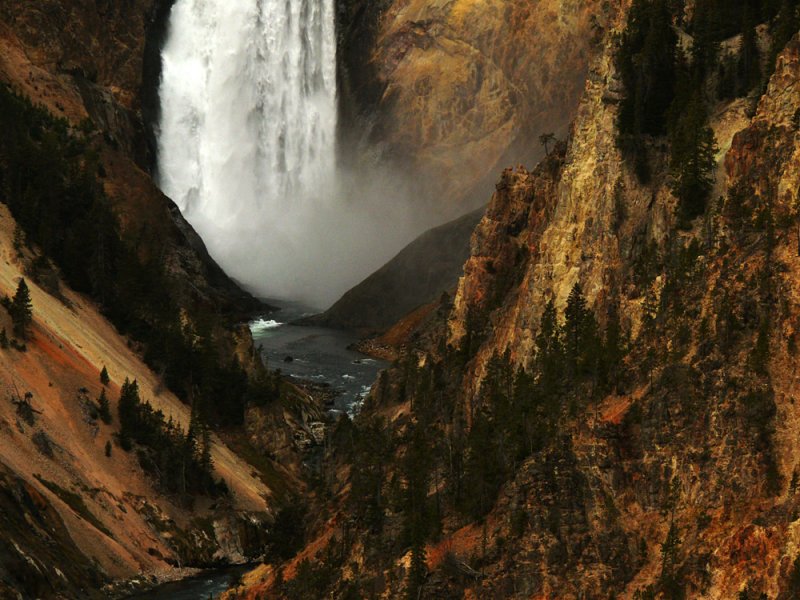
(206, 461)
(613, 346)
(21, 310)
(417, 465)
(104, 407)
(581, 340)
(549, 350)
(286, 535)
(706, 28)
(670, 579)
(545, 140)
(128, 408)
(748, 67)
(575, 316)
(3, 339)
(692, 162)
(484, 472)
(417, 573)
(371, 454)
(108, 449)
(190, 452)
(646, 64)
(19, 241)
(104, 378)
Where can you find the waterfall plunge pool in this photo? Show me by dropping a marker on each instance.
(316, 354)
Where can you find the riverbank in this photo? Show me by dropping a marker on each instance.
(144, 582)
(182, 584)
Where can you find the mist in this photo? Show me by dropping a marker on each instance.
(314, 248)
(247, 147)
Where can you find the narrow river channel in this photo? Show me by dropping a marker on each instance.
(204, 586)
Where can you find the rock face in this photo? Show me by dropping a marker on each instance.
(707, 419)
(81, 59)
(576, 238)
(446, 91)
(78, 511)
(453, 88)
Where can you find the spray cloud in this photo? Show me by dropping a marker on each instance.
(247, 149)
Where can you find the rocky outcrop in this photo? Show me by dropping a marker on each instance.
(598, 216)
(462, 86)
(446, 92)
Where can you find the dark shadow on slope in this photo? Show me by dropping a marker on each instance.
(425, 268)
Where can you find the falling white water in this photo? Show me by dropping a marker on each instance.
(247, 145)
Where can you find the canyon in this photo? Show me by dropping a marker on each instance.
(591, 390)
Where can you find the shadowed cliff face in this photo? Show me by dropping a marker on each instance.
(460, 86)
(101, 41)
(84, 59)
(420, 273)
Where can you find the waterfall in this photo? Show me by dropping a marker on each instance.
(246, 142)
(247, 150)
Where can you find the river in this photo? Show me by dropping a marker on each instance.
(316, 354)
(204, 586)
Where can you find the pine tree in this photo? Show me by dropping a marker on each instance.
(646, 64)
(614, 345)
(19, 241)
(206, 462)
(418, 572)
(104, 378)
(670, 580)
(104, 407)
(108, 449)
(128, 408)
(3, 339)
(549, 350)
(21, 311)
(484, 468)
(581, 340)
(748, 67)
(693, 150)
(706, 31)
(190, 453)
(574, 315)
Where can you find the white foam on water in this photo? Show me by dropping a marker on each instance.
(262, 325)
